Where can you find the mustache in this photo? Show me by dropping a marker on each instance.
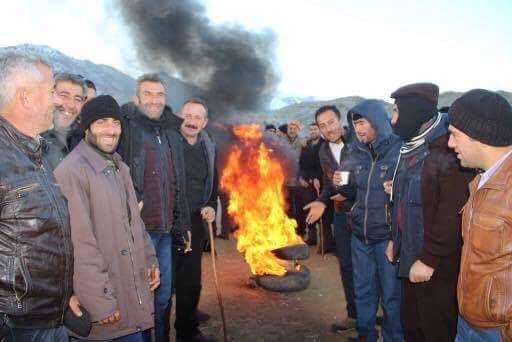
(191, 126)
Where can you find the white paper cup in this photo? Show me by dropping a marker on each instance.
(344, 176)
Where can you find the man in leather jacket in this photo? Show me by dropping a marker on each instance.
(480, 133)
(36, 254)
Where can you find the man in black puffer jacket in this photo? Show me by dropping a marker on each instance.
(150, 151)
(36, 254)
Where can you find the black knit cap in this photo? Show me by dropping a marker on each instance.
(99, 107)
(483, 115)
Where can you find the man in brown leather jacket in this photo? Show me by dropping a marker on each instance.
(481, 135)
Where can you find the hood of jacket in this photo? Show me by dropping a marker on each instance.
(375, 112)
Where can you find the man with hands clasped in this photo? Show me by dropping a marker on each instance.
(429, 190)
(115, 265)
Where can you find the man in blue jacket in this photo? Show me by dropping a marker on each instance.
(371, 163)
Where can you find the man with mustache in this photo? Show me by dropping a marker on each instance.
(151, 153)
(115, 269)
(69, 97)
(200, 177)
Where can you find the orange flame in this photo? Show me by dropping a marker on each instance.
(254, 178)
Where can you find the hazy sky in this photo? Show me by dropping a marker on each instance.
(326, 48)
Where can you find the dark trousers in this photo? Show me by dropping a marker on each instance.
(309, 195)
(227, 223)
(429, 310)
(294, 205)
(188, 281)
(343, 238)
(59, 334)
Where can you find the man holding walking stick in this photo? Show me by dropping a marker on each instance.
(200, 184)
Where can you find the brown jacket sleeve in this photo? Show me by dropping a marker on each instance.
(90, 280)
(444, 189)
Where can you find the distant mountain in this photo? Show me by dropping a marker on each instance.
(108, 80)
(120, 85)
(283, 101)
(305, 111)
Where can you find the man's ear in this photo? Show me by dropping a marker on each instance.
(24, 97)
(136, 100)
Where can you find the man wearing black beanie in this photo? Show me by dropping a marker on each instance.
(481, 135)
(429, 188)
(115, 268)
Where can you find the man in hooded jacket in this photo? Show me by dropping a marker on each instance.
(371, 163)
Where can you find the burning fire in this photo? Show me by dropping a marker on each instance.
(254, 178)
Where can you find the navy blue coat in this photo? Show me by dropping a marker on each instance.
(370, 166)
(429, 190)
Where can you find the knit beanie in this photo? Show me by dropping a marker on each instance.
(99, 107)
(483, 115)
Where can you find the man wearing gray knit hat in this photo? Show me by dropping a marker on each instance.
(481, 135)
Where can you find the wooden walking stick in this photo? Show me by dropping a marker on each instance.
(321, 225)
(217, 288)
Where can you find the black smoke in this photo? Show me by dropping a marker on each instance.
(233, 66)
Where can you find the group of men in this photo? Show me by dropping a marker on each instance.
(100, 205)
(401, 186)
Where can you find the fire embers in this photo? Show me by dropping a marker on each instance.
(253, 178)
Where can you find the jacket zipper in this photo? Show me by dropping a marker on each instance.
(465, 256)
(17, 262)
(367, 195)
(129, 232)
(64, 241)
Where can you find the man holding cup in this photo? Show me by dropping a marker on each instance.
(333, 155)
(371, 163)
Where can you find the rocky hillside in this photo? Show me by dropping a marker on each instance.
(114, 82)
(108, 80)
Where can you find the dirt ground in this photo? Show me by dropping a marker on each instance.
(255, 314)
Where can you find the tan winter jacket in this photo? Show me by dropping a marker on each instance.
(111, 247)
(484, 290)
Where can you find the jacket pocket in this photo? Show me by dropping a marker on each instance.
(495, 299)
(487, 233)
(12, 199)
(20, 281)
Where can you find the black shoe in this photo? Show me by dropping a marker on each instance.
(196, 338)
(348, 325)
(202, 317)
(223, 236)
(310, 242)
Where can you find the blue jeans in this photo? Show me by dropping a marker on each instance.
(59, 334)
(376, 278)
(163, 301)
(466, 333)
(342, 236)
(141, 336)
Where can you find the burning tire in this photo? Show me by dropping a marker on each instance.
(296, 280)
(294, 252)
